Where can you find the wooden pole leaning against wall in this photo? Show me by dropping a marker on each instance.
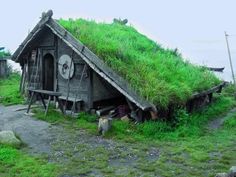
(68, 81)
(23, 91)
(230, 61)
(22, 79)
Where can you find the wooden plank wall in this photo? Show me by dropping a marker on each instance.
(75, 87)
(3, 68)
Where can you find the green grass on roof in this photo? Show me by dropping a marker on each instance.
(159, 75)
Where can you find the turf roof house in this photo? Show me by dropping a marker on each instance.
(48, 41)
(45, 57)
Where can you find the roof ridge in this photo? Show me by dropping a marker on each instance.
(46, 16)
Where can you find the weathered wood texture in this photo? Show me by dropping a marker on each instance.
(102, 90)
(75, 89)
(199, 100)
(3, 68)
(217, 88)
(41, 94)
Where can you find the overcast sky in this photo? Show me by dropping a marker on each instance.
(196, 28)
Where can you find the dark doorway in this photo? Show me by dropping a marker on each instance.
(48, 72)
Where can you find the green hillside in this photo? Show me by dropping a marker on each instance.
(4, 53)
(159, 75)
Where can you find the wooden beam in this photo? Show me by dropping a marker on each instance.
(90, 90)
(211, 90)
(104, 111)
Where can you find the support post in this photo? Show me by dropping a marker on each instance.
(49, 100)
(31, 100)
(230, 59)
(22, 79)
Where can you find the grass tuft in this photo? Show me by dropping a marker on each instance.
(230, 122)
(9, 93)
(13, 162)
(53, 116)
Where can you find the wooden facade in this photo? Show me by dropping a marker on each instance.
(40, 68)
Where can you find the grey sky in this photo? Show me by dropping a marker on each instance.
(196, 28)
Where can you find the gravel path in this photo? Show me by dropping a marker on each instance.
(32, 132)
(218, 122)
(77, 151)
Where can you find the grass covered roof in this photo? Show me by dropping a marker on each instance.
(159, 75)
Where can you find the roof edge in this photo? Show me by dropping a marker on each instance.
(46, 16)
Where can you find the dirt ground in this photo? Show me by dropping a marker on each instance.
(218, 122)
(79, 153)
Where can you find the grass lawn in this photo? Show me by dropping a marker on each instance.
(9, 90)
(188, 149)
(13, 162)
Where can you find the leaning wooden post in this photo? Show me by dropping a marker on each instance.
(230, 59)
(22, 79)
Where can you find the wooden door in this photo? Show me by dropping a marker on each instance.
(48, 72)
